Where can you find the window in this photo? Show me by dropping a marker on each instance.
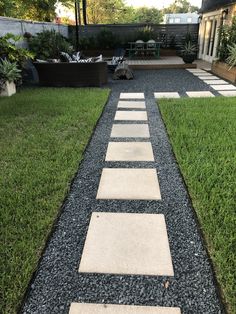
(171, 20)
(189, 20)
(177, 20)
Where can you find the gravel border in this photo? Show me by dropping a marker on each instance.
(57, 282)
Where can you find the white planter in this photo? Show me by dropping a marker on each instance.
(8, 89)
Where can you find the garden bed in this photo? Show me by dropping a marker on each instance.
(223, 70)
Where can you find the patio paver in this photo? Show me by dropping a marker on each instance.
(198, 94)
(131, 95)
(166, 95)
(88, 308)
(129, 151)
(131, 115)
(131, 104)
(208, 77)
(130, 130)
(228, 93)
(129, 184)
(223, 87)
(123, 243)
(215, 82)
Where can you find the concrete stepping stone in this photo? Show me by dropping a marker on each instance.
(200, 94)
(196, 70)
(223, 87)
(215, 82)
(88, 308)
(130, 130)
(131, 104)
(208, 77)
(129, 151)
(167, 95)
(131, 115)
(202, 74)
(131, 95)
(228, 93)
(129, 184)
(127, 244)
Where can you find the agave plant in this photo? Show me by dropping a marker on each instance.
(9, 71)
(231, 60)
(189, 48)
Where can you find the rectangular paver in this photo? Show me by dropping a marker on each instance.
(131, 95)
(208, 77)
(130, 130)
(129, 151)
(131, 104)
(215, 82)
(228, 93)
(223, 87)
(167, 95)
(200, 94)
(88, 308)
(129, 184)
(131, 115)
(124, 243)
(195, 70)
(202, 74)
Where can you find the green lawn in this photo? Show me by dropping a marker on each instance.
(43, 133)
(203, 135)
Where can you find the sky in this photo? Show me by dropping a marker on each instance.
(158, 3)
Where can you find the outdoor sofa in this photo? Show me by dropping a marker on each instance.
(72, 74)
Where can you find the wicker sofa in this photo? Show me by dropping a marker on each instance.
(72, 74)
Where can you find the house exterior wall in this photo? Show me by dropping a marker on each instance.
(181, 18)
(209, 27)
(213, 5)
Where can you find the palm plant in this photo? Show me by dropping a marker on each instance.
(231, 60)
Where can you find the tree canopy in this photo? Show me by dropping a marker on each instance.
(98, 11)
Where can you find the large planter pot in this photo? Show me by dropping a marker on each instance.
(223, 70)
(72, 74)
(188, 58)
(8, 89)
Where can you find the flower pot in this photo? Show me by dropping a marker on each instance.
(8, 89)
(188, 58)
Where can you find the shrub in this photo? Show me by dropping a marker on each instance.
(146, 33)
(106, 39)
(227, 38)
(10, 51)
(231, 60)
(48, 45)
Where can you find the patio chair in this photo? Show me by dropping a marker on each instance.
(139, 47)
(151, 47)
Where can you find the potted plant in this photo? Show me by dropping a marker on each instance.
(9, 74)
(188, 52)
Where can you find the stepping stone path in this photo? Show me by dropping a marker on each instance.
(127, 241)
(124, 243)
(221, 86)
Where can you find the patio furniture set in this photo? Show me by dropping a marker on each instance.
(140, 48)
(76, 71)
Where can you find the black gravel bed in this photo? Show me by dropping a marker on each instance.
(57, 282)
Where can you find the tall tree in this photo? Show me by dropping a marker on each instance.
(42, 10)
(148, 15)
(180, 6)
